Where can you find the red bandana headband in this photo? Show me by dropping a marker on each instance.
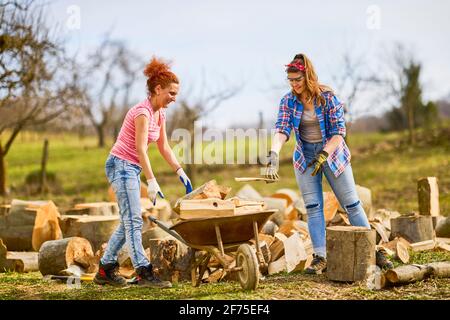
(297, 66)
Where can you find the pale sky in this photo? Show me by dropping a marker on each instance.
(249, 42)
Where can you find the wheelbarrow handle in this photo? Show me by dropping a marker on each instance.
(167, 229)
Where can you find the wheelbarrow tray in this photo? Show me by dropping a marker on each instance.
(233, 229)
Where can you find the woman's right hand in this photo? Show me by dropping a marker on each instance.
(153, 190)
(272, 166)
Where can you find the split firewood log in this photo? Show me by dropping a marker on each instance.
(28, 224)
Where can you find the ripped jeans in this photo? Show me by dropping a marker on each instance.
(311, 188)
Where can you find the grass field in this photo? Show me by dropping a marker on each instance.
(385, 163)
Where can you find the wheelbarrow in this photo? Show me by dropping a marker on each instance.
(217, 236)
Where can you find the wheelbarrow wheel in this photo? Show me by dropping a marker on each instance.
(249, 275)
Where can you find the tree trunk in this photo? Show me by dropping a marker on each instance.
(413, 228)
(412, 134)
(3, 189)
(350, 253)
(57, 255)
(43, 187)
(100, 128)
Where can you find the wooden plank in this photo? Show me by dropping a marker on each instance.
(214, 207)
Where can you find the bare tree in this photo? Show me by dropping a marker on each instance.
(352, 79)
(109, 76)
(190, 111)
(34, 85)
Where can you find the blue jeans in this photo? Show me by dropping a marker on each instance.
(311, 188)
(124, 179)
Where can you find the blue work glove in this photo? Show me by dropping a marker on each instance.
(185, 180)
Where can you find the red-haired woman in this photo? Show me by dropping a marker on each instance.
(144, 123)
(317, 117)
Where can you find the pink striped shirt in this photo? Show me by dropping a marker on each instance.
(125, 146)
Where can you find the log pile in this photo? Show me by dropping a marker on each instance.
(28, 224)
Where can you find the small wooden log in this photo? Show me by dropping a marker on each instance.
(350, 253)
(423, 245)
(96, 229)
(413, 228)
(417, 272)
(171, 259)
(428, 195)
(57, 255)
(209, 190)
(443, 228)
(399, 248)
(440, 269)
(408, 274)
(277, 246)
(17, 261)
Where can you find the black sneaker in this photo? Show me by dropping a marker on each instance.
(146, 278)
(382, 261)
(107, 274)
(318, 265)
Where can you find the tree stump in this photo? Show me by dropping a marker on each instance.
(350, 252)
(96, 229)
(28, 224)
(57, 255)
(413, 228)
(428, 195)
(172, 259)
(443, 228)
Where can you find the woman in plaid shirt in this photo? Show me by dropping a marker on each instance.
(317, 117)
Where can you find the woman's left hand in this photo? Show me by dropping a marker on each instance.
(318, 161)
(185, 180)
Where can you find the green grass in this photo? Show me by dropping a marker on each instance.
(280, 286)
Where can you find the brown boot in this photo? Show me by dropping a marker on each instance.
(108, 274)
(318, 265)
(146, 278)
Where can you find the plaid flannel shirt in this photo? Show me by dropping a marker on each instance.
(331, 121)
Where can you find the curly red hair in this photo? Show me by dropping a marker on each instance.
(158, 72)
